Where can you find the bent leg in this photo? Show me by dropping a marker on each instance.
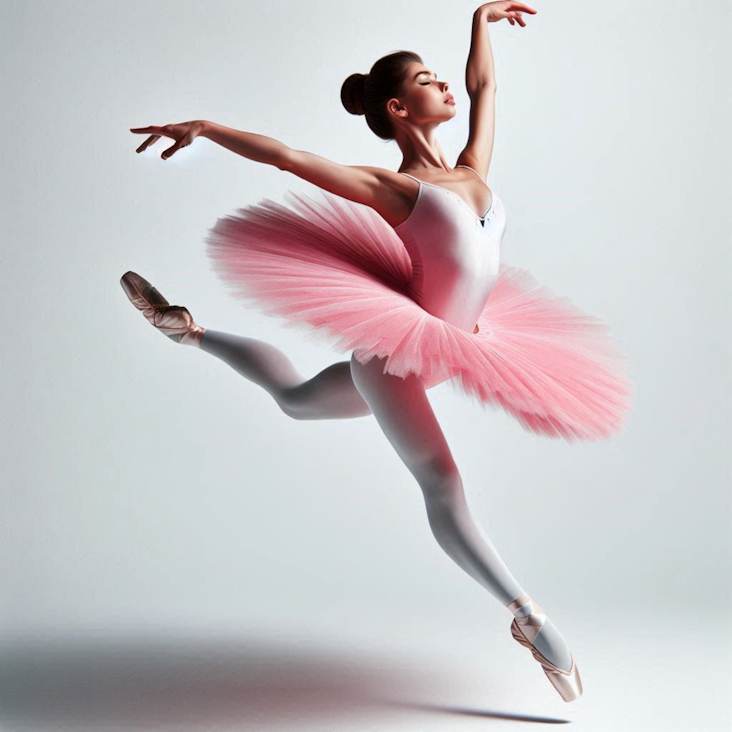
(405, 415)
(330, 394)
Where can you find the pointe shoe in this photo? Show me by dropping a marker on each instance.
(525, 630)
(173, 321)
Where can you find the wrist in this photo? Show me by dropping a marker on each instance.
(206, 127)
(482, 13)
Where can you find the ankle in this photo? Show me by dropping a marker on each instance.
(193, 336)
(522, 606)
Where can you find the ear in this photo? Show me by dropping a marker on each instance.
(396, 107)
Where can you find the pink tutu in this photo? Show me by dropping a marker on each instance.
(340, 268)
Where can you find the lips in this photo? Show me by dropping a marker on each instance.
(450, 100)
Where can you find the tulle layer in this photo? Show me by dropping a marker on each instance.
(339, 267)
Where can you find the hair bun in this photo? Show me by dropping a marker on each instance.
(352, 93)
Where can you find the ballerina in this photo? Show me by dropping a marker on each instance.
(404, 269)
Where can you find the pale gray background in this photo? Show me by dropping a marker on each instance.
(153, 498)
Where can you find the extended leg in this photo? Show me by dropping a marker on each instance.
(330, 394)
(405, 415)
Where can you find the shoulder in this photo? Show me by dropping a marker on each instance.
(394, 193)
(384, 190)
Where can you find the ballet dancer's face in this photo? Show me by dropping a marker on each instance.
(425, 98)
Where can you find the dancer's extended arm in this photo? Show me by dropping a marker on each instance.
(380, 188)
(361, 183)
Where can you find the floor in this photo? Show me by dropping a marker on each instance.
(385, 675)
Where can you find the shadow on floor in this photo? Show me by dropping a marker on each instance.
(143, 683)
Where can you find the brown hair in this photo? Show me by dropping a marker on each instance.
(368, 94)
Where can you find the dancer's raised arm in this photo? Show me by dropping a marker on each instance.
(480, 80)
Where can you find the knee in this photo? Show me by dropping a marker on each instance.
(290, 403)
(291, 413)
(441, 482)
(444, 500)
(302, 402)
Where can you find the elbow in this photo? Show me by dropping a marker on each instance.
(476, 90)
(486, 85)
(284, 159)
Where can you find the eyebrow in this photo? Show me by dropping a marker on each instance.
(419, 73)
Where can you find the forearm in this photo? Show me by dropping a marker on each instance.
(480, 70)
(260, 148)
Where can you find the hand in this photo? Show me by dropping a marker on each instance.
(493, 12)
(183, 134)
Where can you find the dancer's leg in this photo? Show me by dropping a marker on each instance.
(330, 394)
(405, 415)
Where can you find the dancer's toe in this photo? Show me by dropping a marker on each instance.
(173, 321)
(533, 629)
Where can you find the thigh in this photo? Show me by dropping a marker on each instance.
(405, 415)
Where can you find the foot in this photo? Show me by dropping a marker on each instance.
(532, 629)
(173, 321)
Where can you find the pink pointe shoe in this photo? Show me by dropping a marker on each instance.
(172, 320)
(525, 630)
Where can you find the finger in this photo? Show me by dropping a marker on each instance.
(172, 149)
(143, 130)
(150, 141)
(521, 6)
(146, 144)
(520, 19)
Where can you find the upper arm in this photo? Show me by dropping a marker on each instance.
(364, 184)
(479, 149)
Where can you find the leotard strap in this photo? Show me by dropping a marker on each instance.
(469, 168)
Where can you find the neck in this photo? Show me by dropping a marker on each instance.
(421, 150)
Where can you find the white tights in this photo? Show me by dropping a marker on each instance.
(349, 389)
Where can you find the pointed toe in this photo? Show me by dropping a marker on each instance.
(174, 321)
(525, 630)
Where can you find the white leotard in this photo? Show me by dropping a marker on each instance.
(455, 253)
